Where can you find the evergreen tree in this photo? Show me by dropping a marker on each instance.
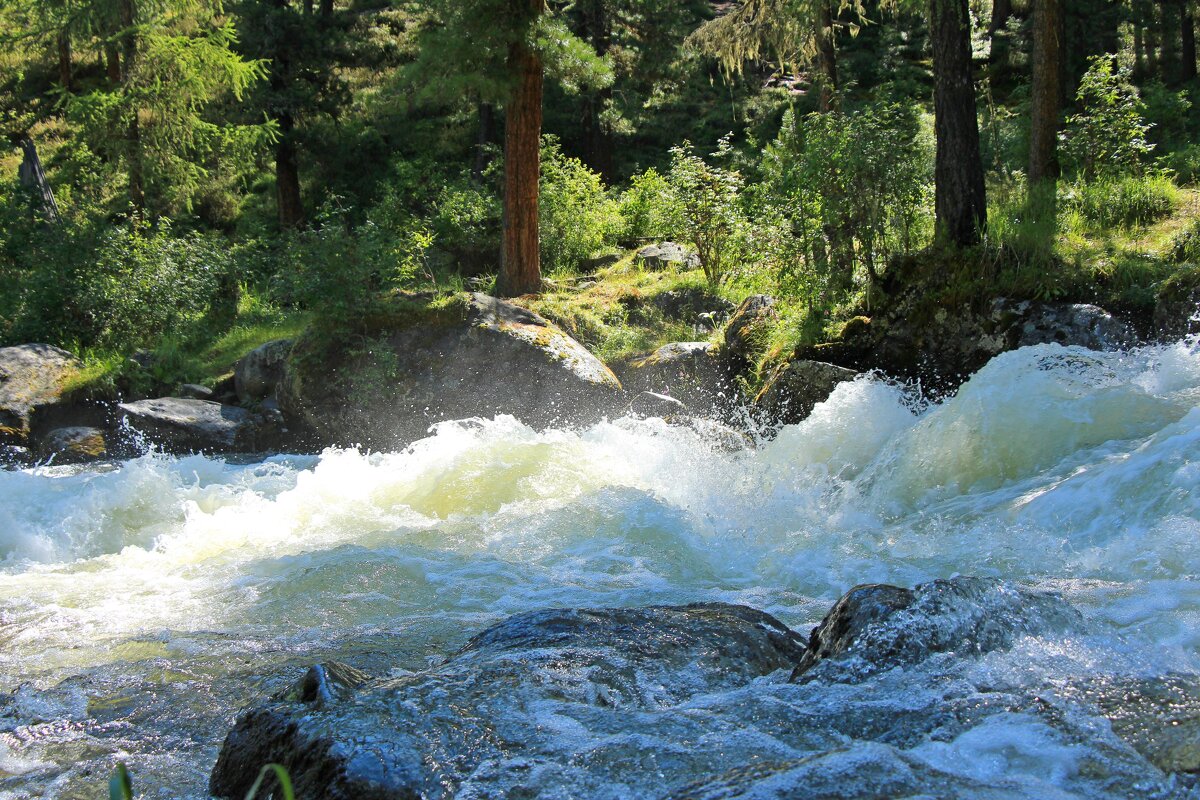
(960, 199)
(1046, 101)
(499, 50)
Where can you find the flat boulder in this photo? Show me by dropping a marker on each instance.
(420, 735)
(794, 389)
(472, 356)
(183, 425)
(31, 380)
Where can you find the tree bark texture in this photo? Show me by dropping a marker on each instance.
(133, 136)
(520, 272)
(826, 57)
(960, 200)
(1168, 19)
(1187, 29)
(1046, 101)
(63, 46)
(112, 63)
(287, 175)
(597, 141)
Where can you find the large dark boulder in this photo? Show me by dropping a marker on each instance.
(876, 627)
(418, 736)
(472, 356)
(259, 371)
(181, 425)
(794, 389)
(690, 372)
(32, 378)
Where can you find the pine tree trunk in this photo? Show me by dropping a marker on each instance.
(1001, 11)
(1169, 22)
(1047, 93)
(596, 138)
(998, 58)
(112, 63)
(64, 61)
(826, 57)
(520, 272)
(287, 175)
(133, 136)
(960, 199)
(1187, 28)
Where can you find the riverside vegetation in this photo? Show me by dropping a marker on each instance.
(231, 175)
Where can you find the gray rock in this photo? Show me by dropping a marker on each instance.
(745, 331)
(259, 371)
(478, 358)
(590, 266)
(1079, 324)
(194, 391)
(31, 380)
(690, 372)
(418, 736)
(794, 389)
(73, 445)
(180, 425)
(667, 255)
(1177, 307)
(876, 627)
(690, 304)
(653, 404)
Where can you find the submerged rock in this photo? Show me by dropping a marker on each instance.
(876, 627)
(31, 380)
(419, 736)
(477, 357)
(180, 425)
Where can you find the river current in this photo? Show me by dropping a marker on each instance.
(143, 603)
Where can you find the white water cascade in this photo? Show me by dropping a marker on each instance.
(144, 603)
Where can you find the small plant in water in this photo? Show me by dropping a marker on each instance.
(120, 786)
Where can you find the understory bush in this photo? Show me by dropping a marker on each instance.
(649, 209)
(576, 216)
(842, 193)
(1109, 134)
(711, 218)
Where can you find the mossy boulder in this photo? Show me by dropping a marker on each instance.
(793, 390)
(466, 356)
(33, 377)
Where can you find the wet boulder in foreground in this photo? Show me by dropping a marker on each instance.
(875, 626)
(505, 692)
(466, 356)
(181, 425)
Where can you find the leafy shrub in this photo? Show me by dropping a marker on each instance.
(114, 285)
(340, 272)
(466, 224)
(710, 214)
(576, 217)
(1124, 200)
(850, 189)
(1109, 133)
(1184, 163)
(649, 209)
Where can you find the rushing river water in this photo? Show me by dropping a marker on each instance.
(144, 603)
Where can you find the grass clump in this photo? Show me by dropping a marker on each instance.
(1124, 201)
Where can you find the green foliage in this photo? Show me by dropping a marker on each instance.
(465, 222)
(1119, 200)
(711, 218)
(1109, 134)
(342, 272)
(649, 209)
(280, 774)
(116, 285)
(576, 216)
(1185, 247)
(843, 192)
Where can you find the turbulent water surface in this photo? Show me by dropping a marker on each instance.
(144, 603)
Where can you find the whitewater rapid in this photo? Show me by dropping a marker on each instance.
(143, 603)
